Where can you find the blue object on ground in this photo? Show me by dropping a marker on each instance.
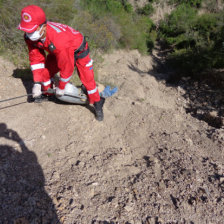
(107, 92)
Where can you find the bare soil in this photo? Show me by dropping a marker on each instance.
(149, 161)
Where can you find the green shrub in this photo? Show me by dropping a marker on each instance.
(195, 39)
(108, 23)
(179, 21)
(127, 6)
(213, 6)
(194, 3)
(207, 30)
(134, 30)
(60, 11)
(99, 8)
(102, 33)
(146, 10)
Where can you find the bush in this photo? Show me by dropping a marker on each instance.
(179, 21)
(213, 6)
(108, 23)
(134, 30)
(195, 39)
(102, 34)
(146, 10)
(194, 3)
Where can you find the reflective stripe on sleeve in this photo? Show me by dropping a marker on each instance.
(92, 91)
(90, 63)
(55, 28)
(46, 83)
(37, 66)
(65, 80)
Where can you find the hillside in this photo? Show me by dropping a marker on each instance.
(149, 161)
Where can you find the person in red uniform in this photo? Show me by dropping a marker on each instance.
(65, 48)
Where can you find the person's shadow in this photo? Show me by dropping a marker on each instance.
(23, 199)
(26, 77)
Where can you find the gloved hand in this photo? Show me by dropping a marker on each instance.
(36, 91)
(107, 92)
(59, 92)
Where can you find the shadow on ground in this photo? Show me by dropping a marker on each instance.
(26, 77)
(22, 195)
(203, 93)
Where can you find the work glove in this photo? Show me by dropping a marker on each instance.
(36, 91)
(59, 92)
(107, 92)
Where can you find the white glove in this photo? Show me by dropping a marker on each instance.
(36, 91)
(60, 92)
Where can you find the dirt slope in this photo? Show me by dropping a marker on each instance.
(147, 162)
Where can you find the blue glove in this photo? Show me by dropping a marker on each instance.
(107, 92)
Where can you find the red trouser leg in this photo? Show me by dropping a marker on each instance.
(86, 75)
(45, 81)
(50, 70)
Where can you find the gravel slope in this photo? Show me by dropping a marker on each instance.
(148, 162)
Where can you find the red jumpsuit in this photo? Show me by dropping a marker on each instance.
(61, 43)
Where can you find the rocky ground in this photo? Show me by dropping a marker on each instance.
(156, 158)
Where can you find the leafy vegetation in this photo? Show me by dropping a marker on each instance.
(127, 28)
(108, 24)
(195, 3)
(195, 40)
(146, 10)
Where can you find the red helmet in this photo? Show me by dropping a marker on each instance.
(31, 17)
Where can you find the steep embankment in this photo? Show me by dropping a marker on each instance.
(147, 162)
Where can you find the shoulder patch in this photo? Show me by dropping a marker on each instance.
(51, 47)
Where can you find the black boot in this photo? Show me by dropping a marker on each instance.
(99, 109)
